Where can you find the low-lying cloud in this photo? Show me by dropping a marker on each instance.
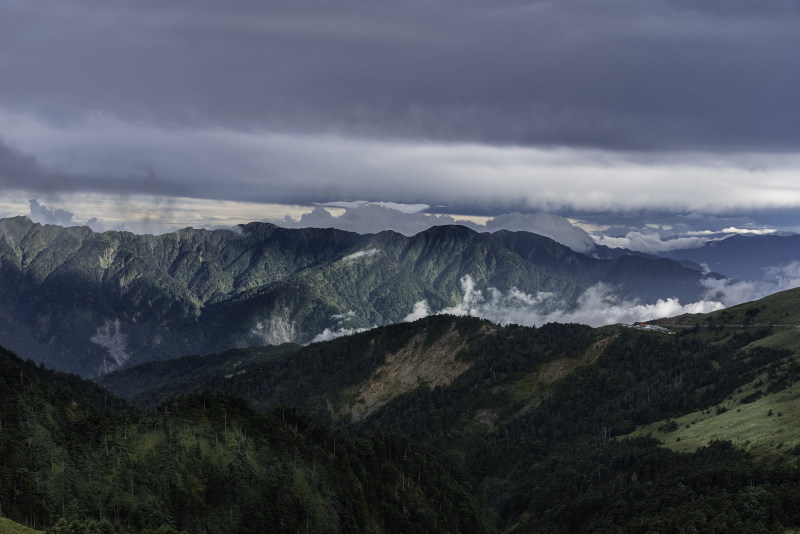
(341, 317)
(597, 306)
(370, 217)
(731, 292)
(339, 330)
(361, 254)
(329, 334)
(650, 242)
(421, 310)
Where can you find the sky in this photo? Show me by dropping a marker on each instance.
(644, 123)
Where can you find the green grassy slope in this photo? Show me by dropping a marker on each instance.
(768, 425)
(763, 415)
(10, 527)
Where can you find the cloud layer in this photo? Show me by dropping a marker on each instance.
(776, 278)
(113, 157)
(632, 74)
(598, 306)
(480, 108)
(367, 217)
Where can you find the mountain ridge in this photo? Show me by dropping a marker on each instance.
(88, 302)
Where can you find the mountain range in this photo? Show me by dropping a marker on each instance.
(91, 302)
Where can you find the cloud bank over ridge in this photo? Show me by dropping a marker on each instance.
(598, 306)
(367, 217)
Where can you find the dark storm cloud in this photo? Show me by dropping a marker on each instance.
(22, 171)
(620, 74)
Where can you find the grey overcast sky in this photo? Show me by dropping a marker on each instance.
(619, 114)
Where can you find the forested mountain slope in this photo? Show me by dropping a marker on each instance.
(208, 464)
(538, 415)
(92, 302)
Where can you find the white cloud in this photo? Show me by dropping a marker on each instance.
(402, 208)
(776, 278)
(650, 242)
(752, 231)
(733, 230)
(597, 306)
(370, 217)
(329, 334)
(44, 215)
(702, 233)
(341, 317)
(421, 310)
(361, 254)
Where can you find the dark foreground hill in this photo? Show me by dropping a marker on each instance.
(73, 458)
(548, 421)
(91, 302)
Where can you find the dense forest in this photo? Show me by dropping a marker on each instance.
(447, 424)
(563, 466)
(208, 463)
(539, 416)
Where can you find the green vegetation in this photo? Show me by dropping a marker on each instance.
(90, 303)
(10, 527)
(445, 424)
(639, 378)
(151, 383)
(531, 411)
(766, 426)
(208, 463)
(762, 416)
(779, 312)
(321, 376)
